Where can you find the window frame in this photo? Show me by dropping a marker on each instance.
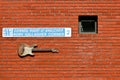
(84, 19)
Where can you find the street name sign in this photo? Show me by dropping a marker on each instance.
(36, 32)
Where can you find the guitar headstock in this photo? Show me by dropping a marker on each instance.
(55, 50)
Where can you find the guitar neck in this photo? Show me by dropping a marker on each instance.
(41, 50)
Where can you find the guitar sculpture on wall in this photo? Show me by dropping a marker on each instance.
(26, 49)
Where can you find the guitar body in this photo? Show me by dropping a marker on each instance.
(25, 50)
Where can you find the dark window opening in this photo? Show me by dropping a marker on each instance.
(87, 24)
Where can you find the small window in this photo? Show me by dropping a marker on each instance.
(88, 24)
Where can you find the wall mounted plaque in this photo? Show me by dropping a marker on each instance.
(36, 32)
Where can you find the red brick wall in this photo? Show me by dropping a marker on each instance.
(81, 57)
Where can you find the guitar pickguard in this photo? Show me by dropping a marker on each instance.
(27, 51)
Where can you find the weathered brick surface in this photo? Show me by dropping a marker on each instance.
(81, 57)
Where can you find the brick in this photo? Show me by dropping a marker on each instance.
(81, 57)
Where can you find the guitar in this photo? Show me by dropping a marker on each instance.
(25, 50)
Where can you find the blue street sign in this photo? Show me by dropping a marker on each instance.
(36, 32)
